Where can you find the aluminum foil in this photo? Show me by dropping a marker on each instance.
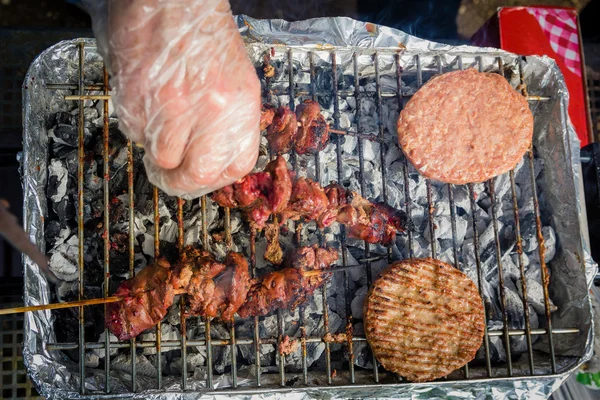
(572, 269)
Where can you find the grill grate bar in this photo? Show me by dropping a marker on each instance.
(453, 219)
(519, 245)
(106, 256)
(207, 336)
(492, 194)
(273, 341)
(319, 232)
(131, 249)
(228, 244)
(486, 339)
(430, 203)
(156, 256)
(80, 231)
(182, 314)
(343, 245)
(257, 340)
(361, 163)
(407, 200)
(381, 136)
(540, 239)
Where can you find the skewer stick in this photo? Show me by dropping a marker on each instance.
(68, 304)
(114, 299)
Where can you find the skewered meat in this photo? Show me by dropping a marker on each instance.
(308, 200)
(288, 288)
(423, 319)
(273, 252)
(260, 194)
(147, 298)
(281, 134)
(313, 133)
(214, 289)
(306, 131)
(372, 222)
(266, 116)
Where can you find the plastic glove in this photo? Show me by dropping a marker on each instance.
(183, 87)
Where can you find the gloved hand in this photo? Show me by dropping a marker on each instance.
(183, 87)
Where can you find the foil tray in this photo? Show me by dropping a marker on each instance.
(555, 142)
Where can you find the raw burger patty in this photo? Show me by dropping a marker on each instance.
(465, 126)
(423, 319)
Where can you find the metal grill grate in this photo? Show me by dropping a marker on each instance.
(294, 92)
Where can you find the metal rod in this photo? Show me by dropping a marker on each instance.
(207, 335)
(182, 313)
(274, 341)
(228, 243)
(381, 136)
(88, 97)
(313, 86)
(486, 338)
(519, 245)
(80, 228)
(131, 250)
(156, 257)
(106, 232)
(257, 339)
(502, 287)
(344, 247)
(361, 163)
(407, 201)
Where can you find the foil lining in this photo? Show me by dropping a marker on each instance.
(572, 268)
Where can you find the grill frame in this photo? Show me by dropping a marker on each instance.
(256, 341)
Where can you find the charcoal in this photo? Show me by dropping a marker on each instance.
(101, 353)
(144, 367)
(358, 301)
(65, 210)
(57, 180)
(52, 230)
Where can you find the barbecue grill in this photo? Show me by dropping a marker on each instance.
(376, 75)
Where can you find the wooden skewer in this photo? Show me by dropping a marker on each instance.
(68, 304)
(114, 299)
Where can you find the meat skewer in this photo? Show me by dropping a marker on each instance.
(273, 192)
(305, 131)
(215, 290)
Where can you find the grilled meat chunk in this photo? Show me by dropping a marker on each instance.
(288, 288)
(423, 319)
(214, 289)
(313, 132)
(281, 133)
(259, 194)
(267, 113)
(304, 198)
(146, 300)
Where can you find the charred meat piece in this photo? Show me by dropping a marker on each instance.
(308, 200)
(288, 287)
(273, 252)
(194, 273)
(231, 288)
(304, 198)
(266, 116)
(281, 133)
(214, 289)
(146, 300)
(259, 194)
(313, 132)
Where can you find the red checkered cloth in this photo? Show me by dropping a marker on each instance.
(560, 26)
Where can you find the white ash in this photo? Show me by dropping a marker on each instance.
(101, 353)
(167, 333)
(144, 367)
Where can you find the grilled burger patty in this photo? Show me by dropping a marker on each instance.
(423, 319)
(465, 126)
